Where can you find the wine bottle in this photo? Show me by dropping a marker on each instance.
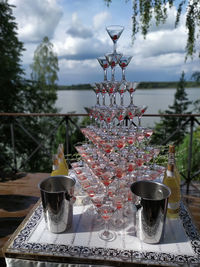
(60, 166)
(172, 180)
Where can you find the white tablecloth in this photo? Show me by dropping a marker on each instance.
(181, 244)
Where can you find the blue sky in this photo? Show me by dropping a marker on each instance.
(77, 30)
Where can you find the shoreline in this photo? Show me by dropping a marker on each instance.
(161, 88)
(142, 86)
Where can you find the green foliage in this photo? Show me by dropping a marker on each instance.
(10, 68)
(45, 64)
(145, 10)
(86, 86)
(160, 85)
(38, 128)
(192, 24)
(182, 154)
(19, 95)
(75, 134)
(44, 73)
(10, 77)
(196, 76)
(168, 125)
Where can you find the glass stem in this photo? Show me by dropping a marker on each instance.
(106, 229)
(123, 74)
(105, 74)
(103, 99)
(97, 95)
(114, 98)
(111, 99)
(114, 48)
(139, 121)
(131, 98)
(122, 99)
(112, 74)
(130, 178)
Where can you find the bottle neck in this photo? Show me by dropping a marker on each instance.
(171, 164)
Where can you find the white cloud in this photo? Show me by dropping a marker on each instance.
(78, 30)
(100, 18)
(161, 42)
(170, 21)
(79, 39)
(36, 19)
(79, 49)
(163, 49)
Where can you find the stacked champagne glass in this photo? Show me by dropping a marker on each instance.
(118, 152)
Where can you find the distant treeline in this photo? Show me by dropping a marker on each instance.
(160, 85)
(142, 85)
(85, 86)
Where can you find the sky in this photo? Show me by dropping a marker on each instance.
(77, 30)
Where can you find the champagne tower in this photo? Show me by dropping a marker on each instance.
(117, 152)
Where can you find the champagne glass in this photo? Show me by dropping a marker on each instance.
(103, 92)
(140, 111)
(118, 218)
(106, 210)
(104, 64)
(96, 88)
(131, 109)
(114, 32)
(121, 114)
(110, 90)
(113, 60)
(122, 90)
(131, 88)
(116, 86)
(130, 167)
(123, 63)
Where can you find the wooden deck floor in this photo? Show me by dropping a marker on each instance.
(18, 197)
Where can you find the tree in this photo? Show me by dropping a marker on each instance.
(145, 10)
(19, 95)
(196, 76)
(10, 76)
(45, 64)
(168, 125)
(10, 69)
(182, 152)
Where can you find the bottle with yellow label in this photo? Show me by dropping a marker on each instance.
(172, 180)
(60, 166)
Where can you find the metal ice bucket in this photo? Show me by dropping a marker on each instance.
(57, 201)
(151, 203)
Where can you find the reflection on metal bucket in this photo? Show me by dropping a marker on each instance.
(57, 201)
(152, 200)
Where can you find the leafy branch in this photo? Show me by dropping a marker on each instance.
(145, 10)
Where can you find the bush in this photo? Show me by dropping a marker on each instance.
(182, 154)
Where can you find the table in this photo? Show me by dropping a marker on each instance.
(34, 245)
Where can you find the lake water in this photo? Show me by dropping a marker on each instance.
(155, 99)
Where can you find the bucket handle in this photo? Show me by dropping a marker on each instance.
(138, 204)
(70, 198)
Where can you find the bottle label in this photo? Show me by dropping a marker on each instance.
(170, 173)
(171, 158)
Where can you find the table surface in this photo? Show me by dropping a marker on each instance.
(81, 244)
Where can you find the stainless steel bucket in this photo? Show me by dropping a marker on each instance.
(151, 202)
(57, 201)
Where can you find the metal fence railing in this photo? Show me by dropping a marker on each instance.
(67, 119)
